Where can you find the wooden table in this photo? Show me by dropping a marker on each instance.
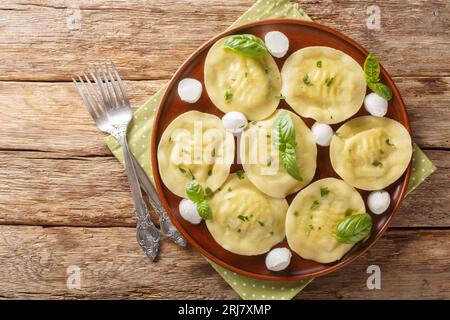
(64, 199)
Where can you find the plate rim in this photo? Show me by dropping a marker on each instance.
(158, 181)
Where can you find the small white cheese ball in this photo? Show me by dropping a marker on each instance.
(278, 259)
(322, 134)
(277, 43)
(378, 201)
(190, 90)
(234, 121)
(188, 210)
(375, 105)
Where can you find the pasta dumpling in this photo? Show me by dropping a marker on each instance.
(370, 152)
(323, 83)
(261, 159)
(313, 216)
(195, 146)
(236, 82)
(246, 221)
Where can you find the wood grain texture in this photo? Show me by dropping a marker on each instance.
(41, 35)
(41, 188)
(35, 262)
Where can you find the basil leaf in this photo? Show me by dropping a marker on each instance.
(381, 89)
(284, 138)
(284, 130)
(372, 69)
(204, 210)
(195, 191)
(289, 161)
(246, 44)
(353, 228)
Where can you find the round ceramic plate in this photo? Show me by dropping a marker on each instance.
(301, 34)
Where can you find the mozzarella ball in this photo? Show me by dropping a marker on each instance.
(188, 210)
(378, 201)
(278, 259)
(234, 121)
(277, 43)
(190, 90)
(375, 105)
(322, 134)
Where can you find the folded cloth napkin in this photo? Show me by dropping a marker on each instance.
(139, 136)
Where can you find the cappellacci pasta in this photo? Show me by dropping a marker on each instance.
(195, 146)
(313, 216)
(323, 83)
(236, 82)
(246, 221)
(370, 153)
(261, 159)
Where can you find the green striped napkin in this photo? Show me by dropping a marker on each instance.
(140, 131)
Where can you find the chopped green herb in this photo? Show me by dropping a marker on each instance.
(271, 233)
(381, 151)
(228, 95)
(307, 81)
(329, 81)
(254, 122)
(243, 218)
(245, 74)
(337, 134)
(296, 213)
(229, 189)
(389, 143)
(314, 205)
(266, 70)
(269, 161)
(319, 64)
(240, 174)
(209, 173)
(280, 97)
(239, 230)
(170, 139)
(311, 227)
(192, 175)
(208, 192)
(182, 170)
(377, 163)
(261, 223)
(234, 79)
(324, 192)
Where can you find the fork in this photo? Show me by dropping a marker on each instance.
(110, 108)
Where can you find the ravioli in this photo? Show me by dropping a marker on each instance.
(246, 221)
(313, 216)
(235, 82)
(323, 83)
(195, 145)
(370, 152)
(261, 159)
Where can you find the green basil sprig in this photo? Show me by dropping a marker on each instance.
(284, 138)
(246, 44)
(372, 76)
(196, 194)
(353, 228)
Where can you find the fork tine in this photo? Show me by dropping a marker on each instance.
(114, 86)
(85, 99)
(108, 84)
(94, 93)
(121, 86)
(98, 80)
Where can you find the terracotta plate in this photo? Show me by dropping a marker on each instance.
(301, 34)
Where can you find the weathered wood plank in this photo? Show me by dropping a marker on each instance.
(52, 117)
(39, 189)
(34, 262)
(50, 40)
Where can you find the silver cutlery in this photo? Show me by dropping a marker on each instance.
(167, 228)
(108, 104)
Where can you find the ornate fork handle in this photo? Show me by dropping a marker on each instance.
(146, 233)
